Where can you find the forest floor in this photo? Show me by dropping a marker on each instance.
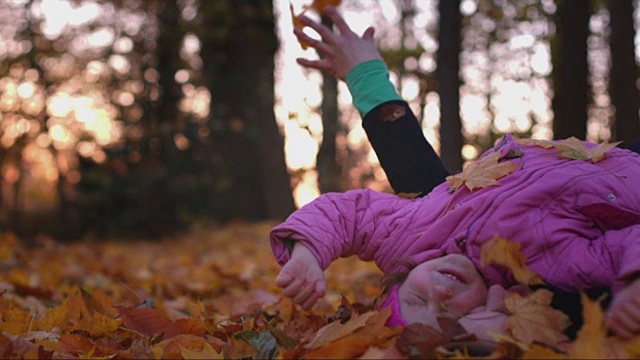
(210, 293)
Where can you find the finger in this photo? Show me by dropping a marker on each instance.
(368, 34)
(326, 33)
(304, 293)
(337, 20)
(308, 304)
(324, 64)
(622, 325)
(314, 43)
(283, 279)
(293, 288)
(495, 298)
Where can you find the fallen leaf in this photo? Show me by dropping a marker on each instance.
(207, 352)
(546, 144)
(573, 148)
(482, 173)
(532, 319)
(336, 330)
(146, 321)
(507, 253)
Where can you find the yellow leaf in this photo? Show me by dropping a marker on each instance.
(507, 253)
(573, 148)
(483, 173)
(541, 352)
(591, 336)
(54, 317)
(206, 353)
(534, 320)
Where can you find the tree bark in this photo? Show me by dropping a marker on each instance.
(571, 69)
(329, 169)
(447, 73)
(623, 73)
(239, 65)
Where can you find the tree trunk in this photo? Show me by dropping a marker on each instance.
(447, 73)
(571, 69)
(623, 73)
(239, 65)
(329, 169)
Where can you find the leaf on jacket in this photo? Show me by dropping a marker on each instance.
(546, 144)
(573, 148)
(500, 251)
(482, 173)
(534, 320)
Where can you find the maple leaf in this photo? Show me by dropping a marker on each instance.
(534, 320)
(573, 148)
(316, 5)
(319, 5)
(482, 173)
(507, 253)
(355, 343)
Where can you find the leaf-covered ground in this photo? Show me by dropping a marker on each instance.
(211, 294)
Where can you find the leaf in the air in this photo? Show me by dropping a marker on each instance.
(319, 5)
(573, 148)
(533, 319)
(507, 253)
(481, 174)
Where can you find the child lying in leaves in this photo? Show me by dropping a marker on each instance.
(574, 208)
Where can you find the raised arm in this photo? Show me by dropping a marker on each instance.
(411, 164)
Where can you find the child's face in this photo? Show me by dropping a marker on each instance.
(449, 286)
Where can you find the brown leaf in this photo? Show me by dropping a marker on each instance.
(546, 144)
(481, 174)
(420, 340)
(507, 253)
(146, 321)
(534, 320)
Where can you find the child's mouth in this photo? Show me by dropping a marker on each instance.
(453, 276)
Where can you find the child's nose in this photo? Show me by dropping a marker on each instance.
(442, 293)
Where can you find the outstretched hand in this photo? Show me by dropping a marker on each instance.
(623, 316)
(341, 52)
(301, 278)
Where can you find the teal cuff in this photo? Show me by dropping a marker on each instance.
(369, 85)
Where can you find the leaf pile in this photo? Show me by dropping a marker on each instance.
(211, 294)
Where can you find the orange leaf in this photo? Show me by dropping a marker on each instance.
(507, 253)
(319, 5)
(206, 353)
(573, 148)
(534, 320)
(336, 330)
(297, 24)
(483, 173)
(173, 348)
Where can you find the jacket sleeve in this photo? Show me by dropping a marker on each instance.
(411, 164)
(357, 222)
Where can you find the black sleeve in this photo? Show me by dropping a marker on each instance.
(635, 146)
(411, 164)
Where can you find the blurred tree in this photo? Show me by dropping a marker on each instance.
(447, 72)
(239, 44)
(570, 69)
(623, 73)
(329, 169)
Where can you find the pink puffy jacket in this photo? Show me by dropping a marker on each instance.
(578, 223)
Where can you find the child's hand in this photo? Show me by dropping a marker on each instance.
(623, 316)
(343, 51)
(301, 278)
